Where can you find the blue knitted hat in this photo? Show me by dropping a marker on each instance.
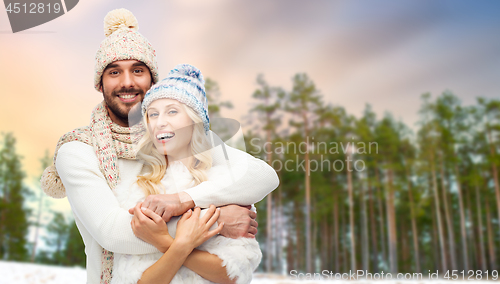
(185, 84)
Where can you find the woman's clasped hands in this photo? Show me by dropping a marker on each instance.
(192, 230)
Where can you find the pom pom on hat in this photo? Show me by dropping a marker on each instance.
(185, 84)
(187, 70)
(119, 19)
(123, 42)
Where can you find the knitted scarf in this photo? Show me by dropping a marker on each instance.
(110, 142)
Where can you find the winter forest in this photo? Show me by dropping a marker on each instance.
(393, 198)
(357, 192)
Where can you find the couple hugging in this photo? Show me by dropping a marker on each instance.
(136, 187)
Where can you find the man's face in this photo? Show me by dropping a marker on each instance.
(124, 84)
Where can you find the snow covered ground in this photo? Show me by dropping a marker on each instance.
(27, 273)
(24, 273)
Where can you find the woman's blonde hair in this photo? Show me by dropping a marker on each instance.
(155, 163)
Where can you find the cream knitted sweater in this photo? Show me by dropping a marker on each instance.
(240, 256)
(104, 224)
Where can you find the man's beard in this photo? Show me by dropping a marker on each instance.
(122, 111)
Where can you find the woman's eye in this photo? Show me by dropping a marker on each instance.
(153, 115)
(172, 112)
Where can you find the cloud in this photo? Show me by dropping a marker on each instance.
(382, 52)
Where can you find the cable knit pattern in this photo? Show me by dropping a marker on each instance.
(240, 256)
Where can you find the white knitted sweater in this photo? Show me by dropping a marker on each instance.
(240, 256)
(104, 224)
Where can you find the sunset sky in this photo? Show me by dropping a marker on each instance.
(385, 53)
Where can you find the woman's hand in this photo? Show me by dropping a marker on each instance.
(192, 230)
(150, 227)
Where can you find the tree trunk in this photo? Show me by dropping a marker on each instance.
(324, 244)
(3, 245)
(491, 241)
(413, 225)
(300, 243)
(336, 252)
(391, 224)
(444, 265)
(435, 246)
(480, 229)
(404, 246)
(351, 217)
(494, 172)
(269, 254)
(473, 247)
(373, 227)
(449, 222)
(462, 221)
(345, 265)
(308, 199)
(473, 250)
(379, 195)
(280, 231)
(365, 248)
(314, 240)
(290, 257)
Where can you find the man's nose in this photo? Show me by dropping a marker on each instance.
(127, 80)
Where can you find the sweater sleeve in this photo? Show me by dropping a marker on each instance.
(93, 202)
(236, 177)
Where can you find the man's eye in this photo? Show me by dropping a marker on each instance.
(138, 71)
(113, 72)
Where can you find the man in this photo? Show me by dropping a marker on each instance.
(91, 161)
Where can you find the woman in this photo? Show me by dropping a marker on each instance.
(176, 154)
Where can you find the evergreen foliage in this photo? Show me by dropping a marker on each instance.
(13, 214)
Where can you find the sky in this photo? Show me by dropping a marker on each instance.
(383, 53)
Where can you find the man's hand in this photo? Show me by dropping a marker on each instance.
(239, 221)
(167, 205)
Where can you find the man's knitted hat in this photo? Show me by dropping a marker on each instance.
(185, 84)
(123, 42)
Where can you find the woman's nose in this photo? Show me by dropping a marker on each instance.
(162, 121)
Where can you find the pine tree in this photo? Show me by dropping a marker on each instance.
(388, 136)
(74, 251)
(269, 103)
(58, 231)
(428, 140)
(304, 100)
(213, 98)
(45, 162)
(13, 214)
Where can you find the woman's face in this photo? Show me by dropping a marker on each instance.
(170, 127)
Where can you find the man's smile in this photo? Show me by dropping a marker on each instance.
(128, 97)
